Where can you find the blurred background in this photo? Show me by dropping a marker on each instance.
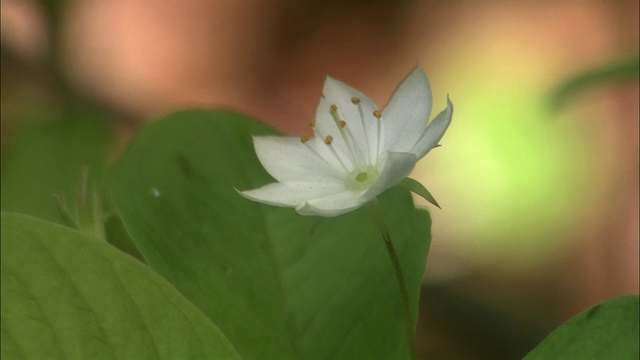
(537, 175)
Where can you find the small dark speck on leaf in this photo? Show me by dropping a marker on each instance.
(227, 270)
(592, 311)
(185, 165)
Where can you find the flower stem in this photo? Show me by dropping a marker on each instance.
(393, 256)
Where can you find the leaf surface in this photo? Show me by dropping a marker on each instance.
(67, 295)
(606, 331)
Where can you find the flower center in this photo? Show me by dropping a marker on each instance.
(362, 178)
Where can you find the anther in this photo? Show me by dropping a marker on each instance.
(304, 138)
(334, 108)
(312, 122)
(342, 123)
(328, 140)
(377, 114)
(355, 100)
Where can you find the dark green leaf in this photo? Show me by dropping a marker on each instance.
(606, 331)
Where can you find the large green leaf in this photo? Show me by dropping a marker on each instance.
(606, 331)
(66, 295)
(279, 285)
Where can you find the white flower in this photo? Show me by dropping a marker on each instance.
(357, 152)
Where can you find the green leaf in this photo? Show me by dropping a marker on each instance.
(416, 187)
(278, 284)
(66, 295)
(606, 331)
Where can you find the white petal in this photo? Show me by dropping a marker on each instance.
(288, 159)
(332, 205)
(408, 111)
(291, 194)
(434, 132)
(396, 167)
(362, 127)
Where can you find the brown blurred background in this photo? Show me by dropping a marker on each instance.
(540, 202)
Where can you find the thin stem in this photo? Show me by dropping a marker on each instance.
(406, 306)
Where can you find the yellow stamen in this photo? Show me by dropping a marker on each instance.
(355, 100)
(305, 140)
(364, 126)
(378, 115)
(312, 122)
(328, 140)
(341, 126)
(334, 108)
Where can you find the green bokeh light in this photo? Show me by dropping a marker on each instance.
(512, 179)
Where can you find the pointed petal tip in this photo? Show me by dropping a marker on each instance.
(329, 83)
(418, 71)
(334, 84)
(329, 80)
(421, 75)
(447, 113)
(259, 138)
(244, 194)
(434, 131)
